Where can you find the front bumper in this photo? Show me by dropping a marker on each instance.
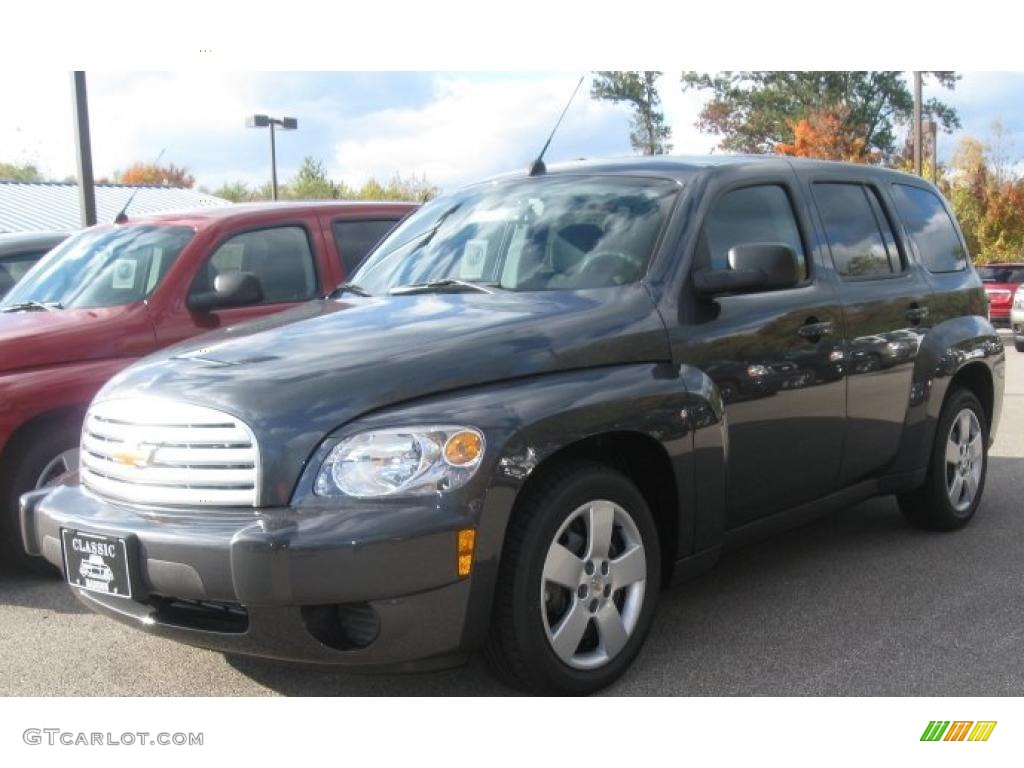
(276, 582)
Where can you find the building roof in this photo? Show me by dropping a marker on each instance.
(51, 206)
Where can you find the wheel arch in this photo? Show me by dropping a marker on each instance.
(643, 460)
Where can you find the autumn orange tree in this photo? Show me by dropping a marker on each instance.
(988, 197)
(828, 135)
(152, 174)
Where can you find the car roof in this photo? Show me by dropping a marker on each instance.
(254, 212)
(22, 242)
(1003, 265)
(683, 166)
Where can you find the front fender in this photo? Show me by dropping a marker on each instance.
(525, 421)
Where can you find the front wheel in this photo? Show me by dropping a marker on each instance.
(1019, 344)
(578, 583)
(956, 474)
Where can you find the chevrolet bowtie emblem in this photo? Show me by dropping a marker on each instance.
(137, 456)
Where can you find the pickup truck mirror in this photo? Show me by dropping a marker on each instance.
(752, 267)
(230, 289)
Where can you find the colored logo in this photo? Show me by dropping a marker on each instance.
(958, 730)
(138, 456)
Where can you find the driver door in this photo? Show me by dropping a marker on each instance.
(774, 356)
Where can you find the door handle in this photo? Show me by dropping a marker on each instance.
(916, 314)
(813, 330)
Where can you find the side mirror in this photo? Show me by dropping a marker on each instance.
(231, 289)
(752, 267)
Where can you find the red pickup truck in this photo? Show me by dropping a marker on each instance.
(112, 294)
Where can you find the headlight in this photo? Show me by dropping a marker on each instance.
(411, 461)
(1018, 299)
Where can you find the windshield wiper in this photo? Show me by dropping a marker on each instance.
(439, 286)
(33, 306)
(358, 290)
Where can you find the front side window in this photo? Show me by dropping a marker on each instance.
(930, 228)
(15, 268)
(858, 234)
(747, 216)
(279, 257)
(102, 267)
(559, 232)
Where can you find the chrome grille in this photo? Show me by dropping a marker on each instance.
(166, 453)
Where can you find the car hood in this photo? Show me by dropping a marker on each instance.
(42, 338)
(299, 375)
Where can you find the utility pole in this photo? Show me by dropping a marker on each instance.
(917, 123)
(273, 163)
(264, 121)
(933, 129)
(83, 147)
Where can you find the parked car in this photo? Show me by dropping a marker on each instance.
(504, 435)
(1017, 320)
(112, 294)
(1001, 282)
(19, 251)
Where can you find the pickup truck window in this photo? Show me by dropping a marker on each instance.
(760, 214)
(559, 232)
(279, 257)
(102, 267)
(931, 230)
(355, 238)
(859, 237)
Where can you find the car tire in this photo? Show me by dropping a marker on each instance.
(578, 634)
(955, 481)
(1018, 344)
(32, 459)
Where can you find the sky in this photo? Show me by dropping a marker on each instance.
(452, 128)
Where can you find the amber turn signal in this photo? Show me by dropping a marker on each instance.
(463, 448)
(466, 541)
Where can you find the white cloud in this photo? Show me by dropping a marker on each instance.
(473, 128)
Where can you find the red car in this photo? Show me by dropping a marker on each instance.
(1001, 281)
(112, 294)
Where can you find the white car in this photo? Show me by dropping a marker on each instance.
(1017, 320)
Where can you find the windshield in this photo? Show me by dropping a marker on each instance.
(541, 234)
(101, 267)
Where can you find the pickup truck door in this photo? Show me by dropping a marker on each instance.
(774, 356)
(885, 304)
(285, 257)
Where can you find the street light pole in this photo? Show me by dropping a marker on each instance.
(83, 148)
(263, 121)
(273, 163)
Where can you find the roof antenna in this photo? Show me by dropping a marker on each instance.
(537, 167)
(122, 217)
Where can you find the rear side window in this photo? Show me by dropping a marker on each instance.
(930, 228)
(859, 236)
(761, 214)
(280, 257)
(355, 239)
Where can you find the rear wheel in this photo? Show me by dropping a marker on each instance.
(578, 583)
(36, 461)
(1019, 344)
(956, 475)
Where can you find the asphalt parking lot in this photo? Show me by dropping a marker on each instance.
(856, 604)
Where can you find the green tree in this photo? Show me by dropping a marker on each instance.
(755, 111)
(235, 191)
(311, 183)
(19, 172)
(650, 135)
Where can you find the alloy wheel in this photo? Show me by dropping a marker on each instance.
(593, 584)
(965, 459)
